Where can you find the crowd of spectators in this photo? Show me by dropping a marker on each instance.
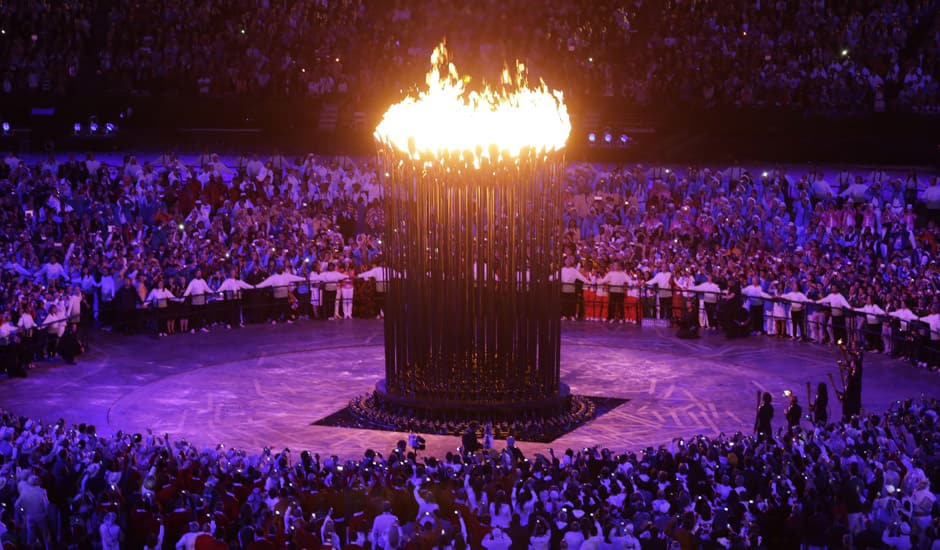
(179, 247)
(41, 44)
(864, 482)
(796, 250)
(858, 55)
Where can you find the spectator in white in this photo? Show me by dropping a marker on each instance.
(931, 197)
(51, 271)
(382, 523)
(821, 189)
(34, 503)
(496, 539)
(197, 291)
(569, 301)
(110, 532)
(856, 192)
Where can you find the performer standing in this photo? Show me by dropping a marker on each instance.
(820, 405)
(797, 312)
(379, 274)
(765, 413)
(709, 293)
(838, 305)
(197, 291)
(852, 403)
(347, 292)
(794, 413)
(850, 370)
(330, 278)
(616, 281)
(231, 291)
(569, 299)
(159, 300)
(281, 283)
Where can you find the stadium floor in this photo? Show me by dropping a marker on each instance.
(265, 385)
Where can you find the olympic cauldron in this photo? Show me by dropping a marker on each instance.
(473, 194)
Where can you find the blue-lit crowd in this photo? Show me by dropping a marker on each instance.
(858, 483)
(168, 245)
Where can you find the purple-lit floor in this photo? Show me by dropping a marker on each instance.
(264, 385)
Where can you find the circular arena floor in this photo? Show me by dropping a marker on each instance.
(265, 385)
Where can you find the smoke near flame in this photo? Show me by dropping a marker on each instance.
(448, 119)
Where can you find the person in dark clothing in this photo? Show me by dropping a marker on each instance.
(793, 413)
(820, 405)
(688, 322)
(469, 441)
(69, 346)
(852, 378)
(125, 303)
(765, 413)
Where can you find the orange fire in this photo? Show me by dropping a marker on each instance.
(448, 119)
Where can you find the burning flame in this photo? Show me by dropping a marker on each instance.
(448, 119)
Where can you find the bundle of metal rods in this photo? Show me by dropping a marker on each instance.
(473, 300)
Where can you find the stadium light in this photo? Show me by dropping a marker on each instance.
(592, 137)
(77, 128)
(5, 127)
